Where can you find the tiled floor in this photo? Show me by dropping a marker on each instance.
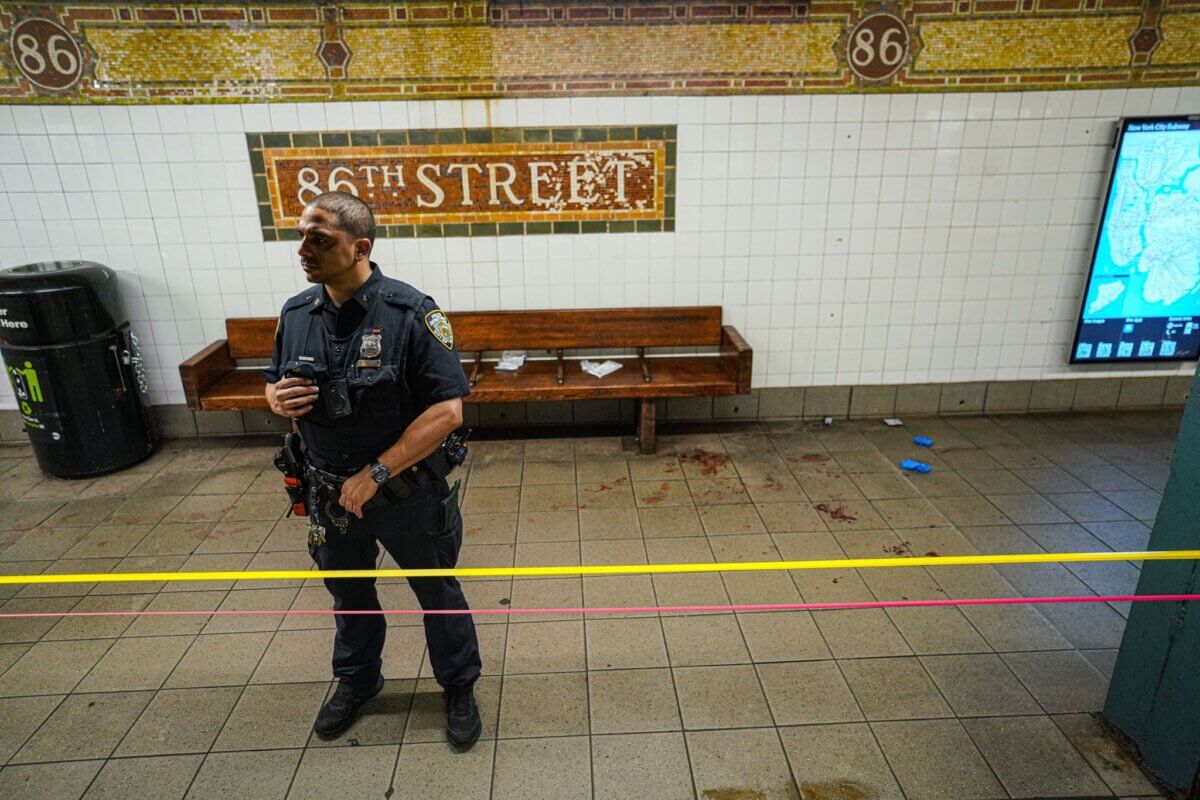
(982, 702)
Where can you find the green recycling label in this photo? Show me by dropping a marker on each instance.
(33, 395)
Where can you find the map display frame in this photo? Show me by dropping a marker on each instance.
(1141, 300)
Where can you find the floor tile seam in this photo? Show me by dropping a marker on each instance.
(675, 689)
(25, 741)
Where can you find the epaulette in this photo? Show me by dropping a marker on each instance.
(305, 298)
(402, 295)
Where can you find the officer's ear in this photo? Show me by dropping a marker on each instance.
(362, 248)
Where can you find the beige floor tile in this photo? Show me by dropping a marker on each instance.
(673, 521)
(43, 543)
(225, 481)
(543, 472)
(791, 517)
(1061, 681)
(77, 511)
(230, 536)
(661, 494)
(180, 625)
(859, 633)
(346, 772)
(544, 647)
(402, 651)
(894, 688)
(99, 627)
(202, 508)
(721, 697)
(655, 467)
(295, 657)
(180, 721)
(427, 715)
(774, 487)
(808, 692)
(849, 515)
(109, 541)
(1032, 758)
(749, 547)
(1009, 628)
(552, 497)
(1116, 767)
(145, 778)
(937, 630)
(544, 705)
(435, 770)
(640, 766)
(718, 491)
(255, 775)
(935, 759)
(490, 528)
(506, 472)
(252, 600)
(84, 726)
(701, 463)
(633, 701)
(751, 762)
(618, 591)
(613, 552)
(611, 495)
(1027, 508)
(209, 562)
(545, 554)
(52, 667)
(548, 526)
(59, 781)
(838, 761)
(682, 550)
(760, 587)
(979, 685)
(704, 641)
(827, 486)
(547, 593)
(132, 664)
(968, 511)
(609, 523)
(143, 510)
(782, 636)
(914, 512)
(883, 485)
(485, 500)
(690, 589)
(549, 769)
(225, 659)
(625, 643)
(22, 716)
(727, 520)
(272, 716)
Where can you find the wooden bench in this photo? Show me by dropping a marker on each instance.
(212, 379)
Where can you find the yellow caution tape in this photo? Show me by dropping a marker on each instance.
(621, 569)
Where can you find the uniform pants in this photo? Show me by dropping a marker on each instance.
(414, 534)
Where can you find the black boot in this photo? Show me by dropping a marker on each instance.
(339, 713)
(463, 725)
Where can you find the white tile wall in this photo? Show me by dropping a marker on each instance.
(854, 239)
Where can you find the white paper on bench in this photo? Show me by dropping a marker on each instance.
(599, 368)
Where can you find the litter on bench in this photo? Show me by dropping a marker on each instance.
(510, 361)
(599, 368)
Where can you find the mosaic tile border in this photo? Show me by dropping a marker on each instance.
(481, 224)
(112, 51)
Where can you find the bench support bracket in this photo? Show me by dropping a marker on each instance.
(645, 425)
(641, 351)
(475, 369)
(562, 378)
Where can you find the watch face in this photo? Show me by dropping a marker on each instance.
(380, 473)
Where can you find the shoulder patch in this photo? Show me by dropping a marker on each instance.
(439, 326)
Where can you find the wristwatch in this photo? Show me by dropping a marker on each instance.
(380, 473)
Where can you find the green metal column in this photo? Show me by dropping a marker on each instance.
(1154, 697)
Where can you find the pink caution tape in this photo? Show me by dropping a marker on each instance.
(745, 607)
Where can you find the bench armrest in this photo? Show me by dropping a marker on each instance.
(200, 372)
(738, 356)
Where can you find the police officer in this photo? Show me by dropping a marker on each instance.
(365, 366)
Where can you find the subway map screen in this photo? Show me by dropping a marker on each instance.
(1143, 294)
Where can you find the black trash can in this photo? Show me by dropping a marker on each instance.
(75, 368)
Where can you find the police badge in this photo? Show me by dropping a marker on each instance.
(372, 345)
(439, 326)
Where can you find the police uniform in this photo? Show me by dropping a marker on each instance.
(393, 351)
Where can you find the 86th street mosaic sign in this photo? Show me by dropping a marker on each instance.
(481, 182)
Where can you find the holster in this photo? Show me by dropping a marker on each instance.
(289, 460)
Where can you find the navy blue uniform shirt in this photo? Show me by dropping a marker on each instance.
(392, 345)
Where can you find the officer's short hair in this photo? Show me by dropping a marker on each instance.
(353, 215)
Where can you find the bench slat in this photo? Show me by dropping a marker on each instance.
(687, 326)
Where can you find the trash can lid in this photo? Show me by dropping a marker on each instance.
(51, 276)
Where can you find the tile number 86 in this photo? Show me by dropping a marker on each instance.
(310, 183)
(877, 46)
